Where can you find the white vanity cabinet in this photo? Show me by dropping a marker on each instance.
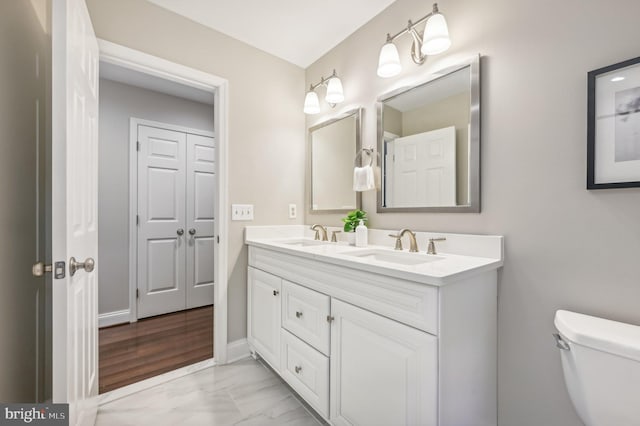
(382, 372)
(365, 348)
(264, 309)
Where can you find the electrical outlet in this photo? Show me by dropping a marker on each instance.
(293, 211)
(241, 211)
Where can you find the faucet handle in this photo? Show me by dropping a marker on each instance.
(334, 239)
(431, 248)
(398, 238)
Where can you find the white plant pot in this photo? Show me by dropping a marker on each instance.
(351, 238)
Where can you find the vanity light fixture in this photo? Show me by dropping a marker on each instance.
(434, 40)
(334, 95)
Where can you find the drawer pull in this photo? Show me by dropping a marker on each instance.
(276, 292)
(298, 314)
(298, 369)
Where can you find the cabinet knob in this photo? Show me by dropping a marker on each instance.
(298, 369)
(276, 292)
(330, 318)
(298, 314)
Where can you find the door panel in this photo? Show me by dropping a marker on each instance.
(382, 372)
(424, 169)
(74, 208)
(201, 190)
(162, 217)
(264, 315)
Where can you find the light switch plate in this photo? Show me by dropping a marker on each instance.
(293, 211)
(241, 211)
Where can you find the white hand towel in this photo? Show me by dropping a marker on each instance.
(363, 179)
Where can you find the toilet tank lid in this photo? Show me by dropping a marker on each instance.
(598, 333)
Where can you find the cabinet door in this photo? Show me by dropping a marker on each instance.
(264, 315)
(382, 372)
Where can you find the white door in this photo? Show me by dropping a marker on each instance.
(382, 372)
(162, 239)
(74, 209)
(424, 169)
(264, 315)
(201, 187)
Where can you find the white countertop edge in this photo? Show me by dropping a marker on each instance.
(453, 274)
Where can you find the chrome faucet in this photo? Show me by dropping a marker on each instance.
(413, 244)
(318, 229)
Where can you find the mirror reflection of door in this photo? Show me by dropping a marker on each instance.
(423, 169)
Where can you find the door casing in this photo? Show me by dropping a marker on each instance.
(142, 62)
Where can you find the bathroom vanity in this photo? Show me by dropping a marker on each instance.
(375, 336)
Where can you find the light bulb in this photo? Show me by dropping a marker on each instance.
(334, 91)
(389, 61)
(311, 103)
(436, 35)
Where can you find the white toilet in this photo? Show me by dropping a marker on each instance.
(601, 363)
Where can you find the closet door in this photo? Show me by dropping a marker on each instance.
(201, 190)
(162, 234)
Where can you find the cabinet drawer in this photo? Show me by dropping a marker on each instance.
(304, 313)
(306, 370)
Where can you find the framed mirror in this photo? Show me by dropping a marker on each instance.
(333, 145)
(429, 140)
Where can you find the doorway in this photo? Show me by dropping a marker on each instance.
(160, 272)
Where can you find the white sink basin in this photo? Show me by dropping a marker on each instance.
(304, 243)
(397, 257)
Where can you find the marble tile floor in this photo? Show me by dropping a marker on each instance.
(244, 393)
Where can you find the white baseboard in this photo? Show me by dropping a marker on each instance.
(113, 318)
(237, 350)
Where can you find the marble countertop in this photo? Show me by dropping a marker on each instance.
(444, 268)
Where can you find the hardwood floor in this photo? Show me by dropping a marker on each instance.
(152, 346)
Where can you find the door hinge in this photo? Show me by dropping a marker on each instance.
(218, 239)
(137, 146)
(137, 293)
(137, 220)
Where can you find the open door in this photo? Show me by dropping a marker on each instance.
(75, 58)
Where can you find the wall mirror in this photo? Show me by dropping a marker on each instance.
(429, 140)
(333, 145)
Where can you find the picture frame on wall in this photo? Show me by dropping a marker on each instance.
(613, 126)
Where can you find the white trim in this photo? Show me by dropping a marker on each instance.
(113, 318)
(154, 381)
(142, 62)
(133, 199)
(237, 350)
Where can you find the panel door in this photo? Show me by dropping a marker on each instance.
(74, 210)
(162, 237)
(382, 372)
(263, 323)
(424, 169)
(201, 244)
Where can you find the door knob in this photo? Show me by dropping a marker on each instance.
(180, 231)
(88, 265)
(38, 269)
(192, 231)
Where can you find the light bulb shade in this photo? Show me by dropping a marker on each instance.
(436, 35)
(311, 103)
(389, 61)
(334, 91)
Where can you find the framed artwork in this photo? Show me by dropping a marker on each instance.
(613, 133)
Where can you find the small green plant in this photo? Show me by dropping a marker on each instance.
(353, 219)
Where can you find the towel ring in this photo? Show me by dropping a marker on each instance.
(369, 152)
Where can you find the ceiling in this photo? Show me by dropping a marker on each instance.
(298, 31)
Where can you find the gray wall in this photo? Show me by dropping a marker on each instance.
(118, 103)
(566, 247)
(266, 122)
(23, 44)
